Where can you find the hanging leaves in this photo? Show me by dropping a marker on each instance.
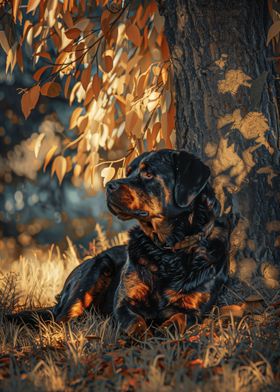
(114, 65)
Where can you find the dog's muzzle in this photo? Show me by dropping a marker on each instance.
(116, 206)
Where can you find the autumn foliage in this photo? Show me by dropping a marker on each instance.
(110, 60)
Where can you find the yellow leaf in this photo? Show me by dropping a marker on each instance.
(130, 121)
(4, 42)
(96, 85)
(34, 96)
(32, 5)
(77, 170)
(38, 144)
(59, 167)
(9, 59)
(40, 71)
(27, 27)
(51, 89)
(156, 70)
(153, 101)
(142, 84)
(105, 21)
(121, 172)
(165, 101)
(29, 100)
(85, 78)
(108, 63)
(49, 156)
(107, 173)
(82, 123)
(73, 33)
(89, 176)
(164, 75)
(52, 7)
(75, 115)
(74, 92)
(15, 6)
(158, 22)
(133, 34)
(66, 87)
(68, 164)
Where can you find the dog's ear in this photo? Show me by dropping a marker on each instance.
(191, 176)
(135, 163)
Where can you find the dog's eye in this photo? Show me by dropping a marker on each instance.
(147, 175)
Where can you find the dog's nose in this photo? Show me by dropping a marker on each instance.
(112, 186)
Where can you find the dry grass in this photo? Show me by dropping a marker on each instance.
(222, 354)
(37, 277)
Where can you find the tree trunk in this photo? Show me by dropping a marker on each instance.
(227, 114)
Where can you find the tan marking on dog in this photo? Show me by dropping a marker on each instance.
(166, 190)
(187, 301)
(158, 226)
(76, 310)
(129, 198)
(138, 200)
(154, 206)
(88, 298)
(142, 166)
(134, 288)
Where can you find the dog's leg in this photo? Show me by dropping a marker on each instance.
(131, 323)
(131, 295)
(93, 283)
(30, 317)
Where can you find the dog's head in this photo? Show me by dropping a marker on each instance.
(159, 185)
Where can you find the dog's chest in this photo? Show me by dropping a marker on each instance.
(161, 275)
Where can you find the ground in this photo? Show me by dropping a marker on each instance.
(235, 349)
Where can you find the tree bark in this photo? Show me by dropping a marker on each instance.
(226, 112)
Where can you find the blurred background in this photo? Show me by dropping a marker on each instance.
(35, 211)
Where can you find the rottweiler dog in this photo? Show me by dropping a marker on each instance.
(176, 261)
